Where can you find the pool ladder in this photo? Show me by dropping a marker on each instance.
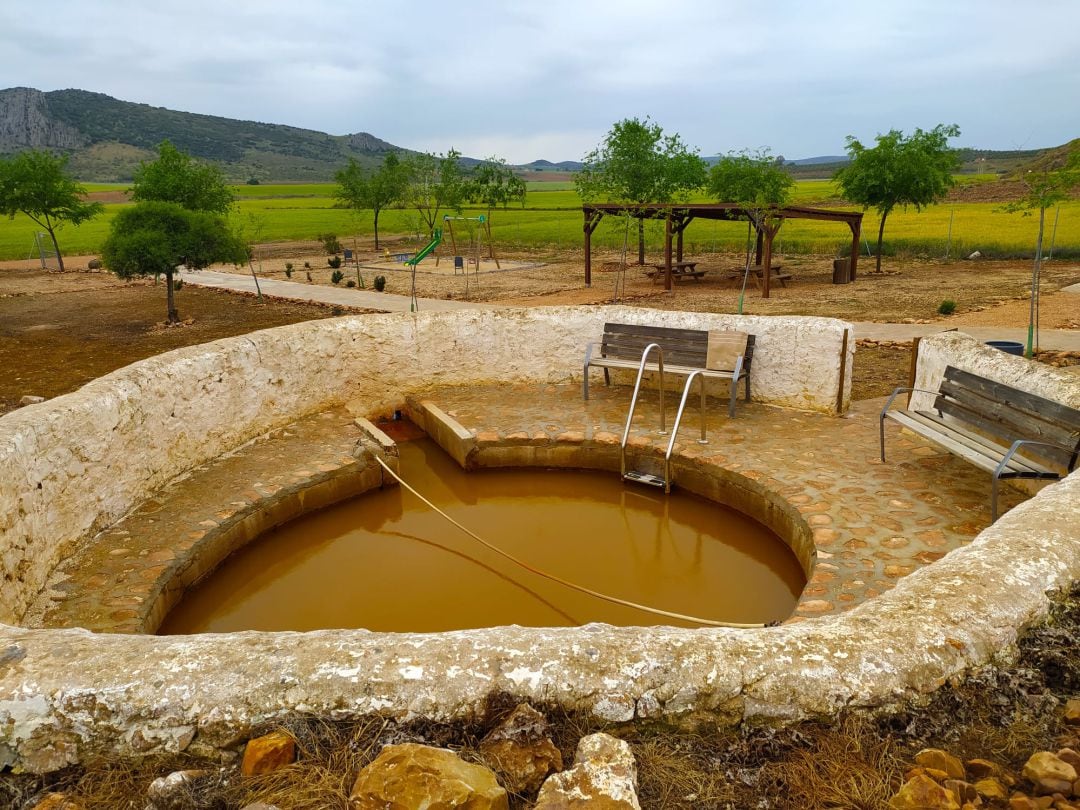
(649, 479)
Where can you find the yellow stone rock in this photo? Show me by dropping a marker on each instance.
(268, 753)
(407, 776)
(923, 793)
(991, 788)
(935, 758)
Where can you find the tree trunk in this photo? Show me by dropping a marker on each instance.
(880, 235)
(1034, 306)
(174, 316)
(56, 245)
(641, 241)
(376, 229)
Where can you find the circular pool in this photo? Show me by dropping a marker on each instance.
(388, 562)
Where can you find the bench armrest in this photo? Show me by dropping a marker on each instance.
(897, 391)
(589, 350)
(1020, 443)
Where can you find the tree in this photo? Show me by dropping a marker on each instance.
(638, 164)
(759, 184)
(174, 177)
(376, 190)
(899, 171)
(1045, 186)
(434, 183)
(153, 238)
(36, 184)
(494, 183)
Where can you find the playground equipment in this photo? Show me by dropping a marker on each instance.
(427, 250)
(475, 234)
(44, 250)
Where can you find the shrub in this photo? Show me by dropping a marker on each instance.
(379, 283)
(288, 269)
(178, 284)
(253, 181)
(309, 275)
(947, 307)
(336, 277)
(307, 265)
(350, 283)
(334, 262)
(330, 242)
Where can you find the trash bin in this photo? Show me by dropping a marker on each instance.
(841, 271)
(1008, 346)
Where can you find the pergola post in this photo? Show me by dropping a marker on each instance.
(758, 245)
(667, 252)
(592, 219)
(856, 237)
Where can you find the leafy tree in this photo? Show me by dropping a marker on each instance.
(759, 184)
(377, 190)
(638, 164)
(152, 238)
(434, 183)
(1045, 186)
(36, 183)
(494, 183)
(174, 177)
(916, 170)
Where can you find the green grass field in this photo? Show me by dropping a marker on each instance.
(551, 219)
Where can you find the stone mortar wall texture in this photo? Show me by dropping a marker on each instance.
(73, 465)
(66, 695)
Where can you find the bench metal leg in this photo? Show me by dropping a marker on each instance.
(748, 387)
(881, 432)
(735, 386)
(993, 499)
(585, 384)
(607, 377)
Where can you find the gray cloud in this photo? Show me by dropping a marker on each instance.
(528, 80)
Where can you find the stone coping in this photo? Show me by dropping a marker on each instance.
(66, 695)
(130, 575)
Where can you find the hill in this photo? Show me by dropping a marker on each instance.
(107, 138)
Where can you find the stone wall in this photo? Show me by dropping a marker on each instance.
(67, 695)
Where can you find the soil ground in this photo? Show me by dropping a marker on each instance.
(61, 330)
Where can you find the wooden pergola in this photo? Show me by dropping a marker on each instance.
(677, 216)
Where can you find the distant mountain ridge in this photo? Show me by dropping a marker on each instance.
(107, 138)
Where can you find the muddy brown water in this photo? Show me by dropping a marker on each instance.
(385, 561)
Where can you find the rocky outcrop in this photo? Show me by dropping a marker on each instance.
(26, 123)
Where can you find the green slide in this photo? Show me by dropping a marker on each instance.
(428, 248)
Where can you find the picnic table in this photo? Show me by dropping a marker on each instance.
(679, 270)
(757, 271)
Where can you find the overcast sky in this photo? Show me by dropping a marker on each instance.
(527, 80)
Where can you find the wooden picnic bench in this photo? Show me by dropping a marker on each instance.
(998, 428)
(757, 272)
(684, 352)
(679, 270)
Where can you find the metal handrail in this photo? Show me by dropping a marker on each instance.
(678, 418)
(633, 400)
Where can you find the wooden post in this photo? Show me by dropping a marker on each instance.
(856, 236)
(592, 219)
(757, 247)
(766, 260)
(843, 371)
(667, 253)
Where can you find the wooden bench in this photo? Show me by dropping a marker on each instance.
(684, 352)
(757, 272)
(998, 428)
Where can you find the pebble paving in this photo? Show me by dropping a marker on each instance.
(123, 580)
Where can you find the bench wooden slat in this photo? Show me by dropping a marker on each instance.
(972, 448)
(993, 447)
(1007, 433)
(1014, 421)
(1035, 406)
